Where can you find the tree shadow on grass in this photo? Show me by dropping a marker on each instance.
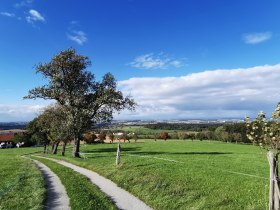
(111, 149)
(181, 153)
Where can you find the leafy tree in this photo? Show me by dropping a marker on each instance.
(135, 136)
(111, 137)
(221, 134)
(175, 135)
(72, 86)
(89, 137)
(266, 133)
(183, 135)
(55, 121)
(125, 137)
(102, 136)
(25, 138)
(164, 135)
(37, 134)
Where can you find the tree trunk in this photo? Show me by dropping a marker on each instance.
(45, 149)
(76, 148)
(55, 146)
(63, 148)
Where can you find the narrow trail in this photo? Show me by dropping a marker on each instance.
(123, 199)
(57, 198)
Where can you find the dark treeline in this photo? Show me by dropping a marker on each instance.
(228, 132)
(183, 126)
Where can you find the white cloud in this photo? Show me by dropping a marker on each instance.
(256, 38)
(209, 94)
(24, 3)
(152, 61)
(7, 14)
(78, 36)
(19, 112)
(34, 16)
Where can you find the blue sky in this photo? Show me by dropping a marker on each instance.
(147, 42)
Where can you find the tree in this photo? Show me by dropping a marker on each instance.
(24, 138)
(125, 137)
(221, 134)
(89, 137)
(163, 135)
(183, 135)
(74, 87)
(55, 121)
(111, 137)
(102, 136)
(37, 133)
(135, 136)
(266, 133)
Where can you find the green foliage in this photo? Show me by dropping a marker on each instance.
(89, 137)
(74, 87)
(24, 137)
(164, 135)
(102, 135)
(125, 137)
(37, 133)
(265, 132)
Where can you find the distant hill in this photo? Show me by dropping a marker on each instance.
(12, 125)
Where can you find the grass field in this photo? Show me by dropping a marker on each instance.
(185, 174)
(21, 184)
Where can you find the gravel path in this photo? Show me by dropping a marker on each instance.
(123, 199)
(57, 198)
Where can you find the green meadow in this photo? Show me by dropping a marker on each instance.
(184, 174)
(21, 183)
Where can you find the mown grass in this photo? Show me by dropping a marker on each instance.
(21, 183)
(82, 193)
(208, 175)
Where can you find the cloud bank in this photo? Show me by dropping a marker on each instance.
(9, 113)
(215, 94)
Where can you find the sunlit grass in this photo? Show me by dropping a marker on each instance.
(184, 175)
(82, 193)
(21, 183)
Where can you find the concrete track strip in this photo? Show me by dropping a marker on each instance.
(57, 198)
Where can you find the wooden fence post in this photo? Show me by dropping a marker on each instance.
(118, 158)
(274, 195)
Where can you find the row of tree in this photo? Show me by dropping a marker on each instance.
(183, 126)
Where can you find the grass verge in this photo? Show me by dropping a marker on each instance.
(21, 183)
(82, 193)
